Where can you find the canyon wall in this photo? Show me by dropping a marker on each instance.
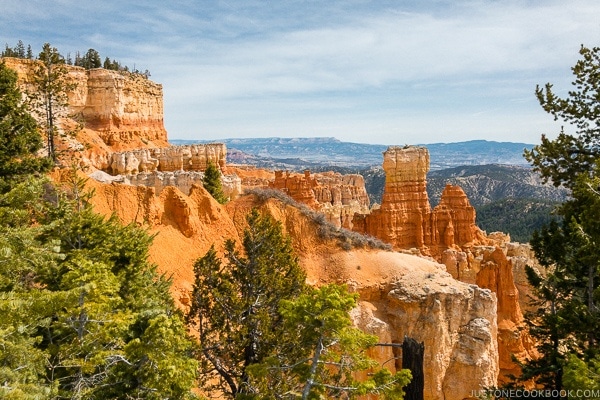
(195, 157)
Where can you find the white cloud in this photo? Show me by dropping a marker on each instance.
(394, 67)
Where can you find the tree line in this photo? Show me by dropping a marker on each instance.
(89, 60)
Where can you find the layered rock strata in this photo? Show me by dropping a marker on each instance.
(337, 196)
(403, 218)
(182, 180)
(194, 157)
(450, 235)
(123, 108)
(177, 166)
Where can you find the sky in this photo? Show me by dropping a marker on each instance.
(380, 72)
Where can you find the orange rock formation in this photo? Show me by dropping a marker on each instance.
(337, 196)
(449, 234)
(124, 109)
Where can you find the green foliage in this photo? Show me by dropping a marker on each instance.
(212, 183)
(319, 322)
(566, 322)
(518, 217)
(49, 99)
(563, 159)
(583, 377)
(235, 307)
(18, 51)
(85, 316)
(19, 137)
(90, 60)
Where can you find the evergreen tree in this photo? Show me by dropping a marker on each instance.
(50, 98)
(581, 376)
(91, 59)
(20, 49)
(235, 307)
(319, 323)
(567, 320)
(19, 135)
(8, 51)
(88, 316)
(212, 183)
(561, 160)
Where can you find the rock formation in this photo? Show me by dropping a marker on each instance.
(453, 222)
(403, 218)
(176, 166)
(401, 294)
(195, 157)
(449, 234)
(337, 196)
(124, 109)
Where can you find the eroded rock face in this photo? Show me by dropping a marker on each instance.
(449, 234)
(182, 180)
(176, 166)
(453, 221)
(407, 295)
(195, 157)
(122, 107)
(337, 196)
(403, 218)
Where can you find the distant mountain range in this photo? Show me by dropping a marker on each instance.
(303, 153)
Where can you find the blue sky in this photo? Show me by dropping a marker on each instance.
(384, 72)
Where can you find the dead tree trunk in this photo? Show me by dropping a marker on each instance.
(412, 358)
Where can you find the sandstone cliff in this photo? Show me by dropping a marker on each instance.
(118, 110)
(337, 196)
(124, 108)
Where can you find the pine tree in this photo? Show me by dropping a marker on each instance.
(212, 183)
(566, 321)
(563, 159)
(50, 97)
(89, 317)
(91, 59)
(318, 322)
(235, 306)
(19, 135)
(583, 377)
